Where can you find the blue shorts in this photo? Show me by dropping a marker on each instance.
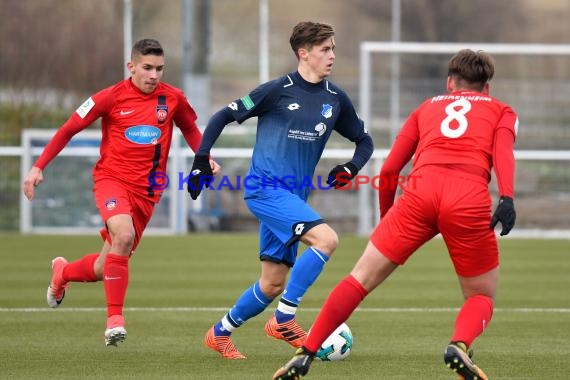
(283, 219)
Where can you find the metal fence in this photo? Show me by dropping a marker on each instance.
(64, 202)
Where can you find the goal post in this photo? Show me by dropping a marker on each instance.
(368, 216)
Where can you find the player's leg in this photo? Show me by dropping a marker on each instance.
(57, 286)
(250, 303)
(125, 215)
(407, 226)
(89, 268)
(255, 299)
(477, 311)
(321, 241)
(82, 270)
(370, 271)
(472, 319)
(125, 233)
(116, 275)
(472, 245)
(291, 219)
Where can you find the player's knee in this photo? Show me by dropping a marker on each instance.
(98, 268)
(123, 240)
(327, 242)
(272, 289)
(323, 238)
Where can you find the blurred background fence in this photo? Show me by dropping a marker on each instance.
(63, 203)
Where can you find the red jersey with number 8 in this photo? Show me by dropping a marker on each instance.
(458, 128)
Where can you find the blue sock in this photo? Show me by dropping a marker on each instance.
(305, 271)
(248, 305)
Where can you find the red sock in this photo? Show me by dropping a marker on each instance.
(81, 270)
(115, 280)
(472, 319)
(338, 306)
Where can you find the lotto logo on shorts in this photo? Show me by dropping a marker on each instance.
(110, 204)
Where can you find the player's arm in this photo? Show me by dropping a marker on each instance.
(504, 167)
(254, 104)
(185, 119)
(202, 172)
(86, 114)
(503, 153)
(400, 154)
(214, 129)
(350, 126)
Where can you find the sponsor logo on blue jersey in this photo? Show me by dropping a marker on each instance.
(321, 128)
(327, 111)
(143, 134)
(247, 102)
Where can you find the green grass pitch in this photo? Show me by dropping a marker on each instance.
(180, 286)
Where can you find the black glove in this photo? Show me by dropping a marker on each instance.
(201, 175)
(504, 213)
(345, 172)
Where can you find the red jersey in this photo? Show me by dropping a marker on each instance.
(458, 128)
(136, 132)
(467, 129)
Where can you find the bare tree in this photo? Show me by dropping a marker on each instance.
(66, 45)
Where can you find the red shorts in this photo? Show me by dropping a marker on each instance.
(451, 202)
(113, 198)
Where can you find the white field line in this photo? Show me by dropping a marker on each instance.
(222, 309)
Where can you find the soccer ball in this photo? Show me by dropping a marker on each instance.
(337, 346)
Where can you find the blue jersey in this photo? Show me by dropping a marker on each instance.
(295, 120)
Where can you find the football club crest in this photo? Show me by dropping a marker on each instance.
(110, 204)
(161, 112)
(327, 111)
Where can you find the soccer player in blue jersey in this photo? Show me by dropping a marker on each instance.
(296, 116)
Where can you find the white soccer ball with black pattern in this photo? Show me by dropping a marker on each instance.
(337, 346)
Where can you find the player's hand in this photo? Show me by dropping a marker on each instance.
(216, 168)
(200, 176)
(33, 179)
(504, 213)
(340, 175)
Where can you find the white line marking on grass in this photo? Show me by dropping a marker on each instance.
(456, 309)
(223, 309)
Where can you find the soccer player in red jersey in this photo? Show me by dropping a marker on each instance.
(455, 139)
(137, 116)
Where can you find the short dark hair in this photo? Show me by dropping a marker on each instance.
(472, 68)
(307, 33)
(147, 46)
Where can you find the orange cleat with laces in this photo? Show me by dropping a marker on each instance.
(289, 331)
(223, 345)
